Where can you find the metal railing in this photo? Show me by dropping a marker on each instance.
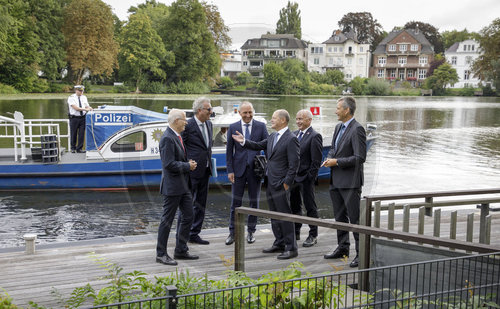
(463, 282)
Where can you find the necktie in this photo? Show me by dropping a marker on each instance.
(182, 144)
(204, 133)
(339, 136)
(80, 105)
(301, 134)
(247, 130)
(275, 140)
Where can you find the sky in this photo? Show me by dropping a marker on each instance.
(320, 18)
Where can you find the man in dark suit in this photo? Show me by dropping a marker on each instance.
(346, 158)
(282, 152)
(175, 188)
(198, 141)
(239, 162)
(311, 144)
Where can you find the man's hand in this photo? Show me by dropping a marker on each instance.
(192, 164)
(285, 186)
(330, 162)
(231, 177)
(238, 137)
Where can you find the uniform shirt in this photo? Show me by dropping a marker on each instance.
(73, 100)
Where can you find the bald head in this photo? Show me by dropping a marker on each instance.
(280, 119)
(303, 119)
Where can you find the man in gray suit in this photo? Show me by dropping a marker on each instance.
(176, 190)
(345, 159)
(282, 152)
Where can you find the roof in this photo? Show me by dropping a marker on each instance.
(339, 37)
(427, 48)
(453, 48)
(291, 41)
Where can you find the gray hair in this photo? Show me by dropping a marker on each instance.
(246, 103)
(174, 114)
(282, 113)
(198, 104)
(307, 113)
(348, 102)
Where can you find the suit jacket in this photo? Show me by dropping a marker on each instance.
(196, 147)
(350, 155)
(236, 155)
(311, 146)
(283, 161)
(175, 166)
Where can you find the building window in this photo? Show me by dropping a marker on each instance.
(472, 47)
(337, 38)
(414, 47)
(316, 50)
(422, 74)
(403, 47)
(349, 61)
(340, 49)
(330, 60)
(401, 75)
(454, 60)
(392, 47)
(348, 76)
(402, 60)
(316, 60)
(245, 63)
(335, 49)
(466, 74)
(245, 53)
(410, 73)
(361, 49)
(382, 60)
(422, 60)
(360, 61)
(468, 60)
(380, 73)
(330, 49)
(393, 73)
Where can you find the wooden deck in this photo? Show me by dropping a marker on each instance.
(66, 266)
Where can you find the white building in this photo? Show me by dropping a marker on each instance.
(461, 55)
(269, 48)
(231, 63)
(342, 51)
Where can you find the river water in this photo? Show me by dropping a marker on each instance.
(424, 144)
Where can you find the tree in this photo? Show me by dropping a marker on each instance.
(216, 26)
(445, 74)
(430, 32)
(89, 40)
(334, 77)
(487, 67)
(185, 33)
(48, 16)
(157, 12)
(368, 30)
(454, 36)
(141, 49)
(290, 21)
(19, 45)
(275, 79)
(436, 62)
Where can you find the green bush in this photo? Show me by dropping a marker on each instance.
(244, 78)
(467, 91)
(192, 87)
(40, 85)
(358, 85)
(376, 86)
(146, 86)
(55, 87)
(226, 82)
(122, 89)
(6, 89)
(488, 91)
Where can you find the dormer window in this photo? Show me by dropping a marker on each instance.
(402, 47)
(414, 47)
(337, 38)
(392, 47)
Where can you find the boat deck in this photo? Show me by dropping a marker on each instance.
(66, 266)
(7, 157)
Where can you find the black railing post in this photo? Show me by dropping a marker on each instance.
(485, 211)
(171, 302)
(239, 241)
(364, 242)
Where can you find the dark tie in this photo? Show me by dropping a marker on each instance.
(247, 130)
(182, 144)
(204, 133)
(339, 136)
(275, 140)
(301, 134)
(80, 105)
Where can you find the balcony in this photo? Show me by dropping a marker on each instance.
(349, 54)
(255, 68)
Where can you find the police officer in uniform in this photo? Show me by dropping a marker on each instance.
(78, 108)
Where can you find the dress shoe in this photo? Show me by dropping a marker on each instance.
(185, 256)
(355, 262)
(288, 255)
(297, 236)
(199, 241)
(310, 241)
(229, 239)
(80, 151)
(250, 238)
(337, 254)
(73, 151)
(166, 260)
(273, 249)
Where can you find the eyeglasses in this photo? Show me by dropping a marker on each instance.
(208, 109)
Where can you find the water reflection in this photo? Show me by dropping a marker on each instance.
(424, 144)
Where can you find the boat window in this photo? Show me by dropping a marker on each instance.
(134, 142)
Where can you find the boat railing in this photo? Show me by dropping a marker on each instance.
(27, 132)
